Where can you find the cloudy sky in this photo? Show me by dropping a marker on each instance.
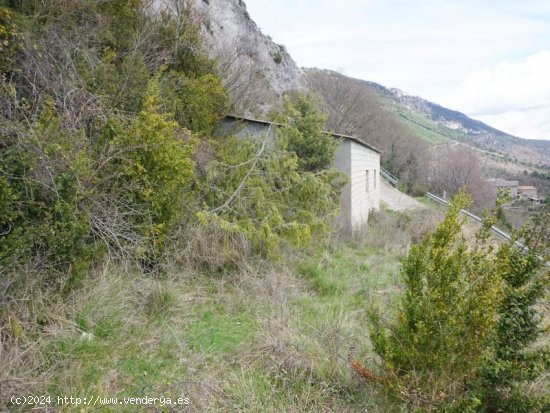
(487, 58)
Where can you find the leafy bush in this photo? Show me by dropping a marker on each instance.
(304, 134)
(462, 338)
(124, 80)
(277, 57)
(440, 335)
(198, 103)
(264, 196)
(259, 187)
(510, 374)
(8, 39)
(44, 215)
(150, 171)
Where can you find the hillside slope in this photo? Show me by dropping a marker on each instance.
(428, 121)
(432, 120)
(257, 71)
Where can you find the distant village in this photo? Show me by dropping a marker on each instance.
(525, 194)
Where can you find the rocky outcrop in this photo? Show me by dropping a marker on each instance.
(256, 71)
(229, 28)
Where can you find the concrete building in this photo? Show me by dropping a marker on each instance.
(527, 192)
(355, 158)
(509, 187)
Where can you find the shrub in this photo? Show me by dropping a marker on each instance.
(198, 103)
(277, 57)
(124, 80)
(510, 374)
(150, 171)
(265, 190)
(8, 40)
(303, 133)
(463, 336)
(442, 328)
(158, 301)
(269, 200)
(44, 215)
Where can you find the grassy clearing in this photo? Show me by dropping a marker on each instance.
(276, 337)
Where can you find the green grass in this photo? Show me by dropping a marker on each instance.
(425, 129)
(218, 332)
(276, 338)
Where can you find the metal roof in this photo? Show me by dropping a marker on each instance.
(335, 135)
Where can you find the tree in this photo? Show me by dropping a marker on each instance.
(149, 167)
(276, 190)
(456, 167)
(509, 376)
(463, 336)
(303, 131)
(354, 108)
(198, 103)
(440, 335)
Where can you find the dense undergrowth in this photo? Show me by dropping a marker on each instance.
(113, 162)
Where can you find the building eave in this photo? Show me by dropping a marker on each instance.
(334, 135)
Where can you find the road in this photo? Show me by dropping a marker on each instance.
(396, 200)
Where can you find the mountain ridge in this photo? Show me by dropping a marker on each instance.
(264, 70)
(474, 132)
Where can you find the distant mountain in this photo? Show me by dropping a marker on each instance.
(431, 119)
(257, 71)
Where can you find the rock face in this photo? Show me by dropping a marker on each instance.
(476, 132)
(255, 69)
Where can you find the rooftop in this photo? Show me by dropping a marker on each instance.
(502, 182)
(335, 135)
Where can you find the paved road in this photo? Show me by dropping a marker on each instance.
(396, 200)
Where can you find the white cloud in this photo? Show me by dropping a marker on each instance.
(506, 87)
(425, 47)
(531, 124)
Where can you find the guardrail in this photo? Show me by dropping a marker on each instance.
(389, 177)
(494, 229)
(394, 181)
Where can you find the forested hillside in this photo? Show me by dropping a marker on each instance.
(415, 135)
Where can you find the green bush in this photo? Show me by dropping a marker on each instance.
(303, 133)
(259, 187)
(463, 336)
(150, 171)
(441, 332)
(44, 215)
(8, 40)
(277, 57)
(124, 18)
(198, 103)
(510, 374)
(124, 80)
(274, 202)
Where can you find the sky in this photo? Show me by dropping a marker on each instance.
(487, 58)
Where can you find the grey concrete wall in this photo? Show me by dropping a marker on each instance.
(365, 184)
(342, 162)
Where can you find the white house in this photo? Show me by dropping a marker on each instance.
(354, 157)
